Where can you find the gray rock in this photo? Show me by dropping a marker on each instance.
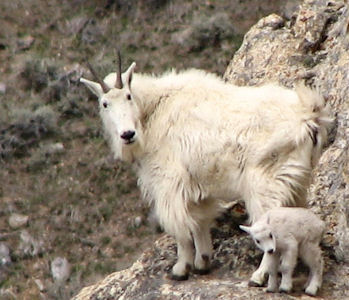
(5, 258)
(60, 269)
(25, 43)
(18, 220)
(7, 294)
(312, 47)
(39, 284)
(138, 221)
(53, 149)
(3, 88)
(28, 245)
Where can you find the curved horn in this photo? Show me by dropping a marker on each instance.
(104, 86)
(118, 82)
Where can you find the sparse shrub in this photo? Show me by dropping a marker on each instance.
(91, 33)
(56, 90)
(35, 124)
(205, 31)
(37, 73)
(43, 76)
(131, 230)
(46, 154)
(129, 249)
(126, 6)
(152, 4)
(99, 267)
(105, 240)
(27, 128)
(70, 108)
(106, 212)
(35, 78)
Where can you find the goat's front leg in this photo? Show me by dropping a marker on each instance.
(272, 262)
(203, 249)
(288, 263)
(258, 276)
(185, 253)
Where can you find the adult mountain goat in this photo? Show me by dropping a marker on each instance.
(196, 140)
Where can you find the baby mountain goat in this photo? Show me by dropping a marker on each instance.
(284, 233)
(196, 141)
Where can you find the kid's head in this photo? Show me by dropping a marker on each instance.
(262, 236)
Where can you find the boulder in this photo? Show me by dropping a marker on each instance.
(313, 47)
(60, 269)
(17, 220)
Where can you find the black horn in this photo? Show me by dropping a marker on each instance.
(104, 86)
(118, 82)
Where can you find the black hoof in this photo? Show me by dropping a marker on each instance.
(202, 271)
(179, 277)
(254, 284)
(206, 268)
(182, 277)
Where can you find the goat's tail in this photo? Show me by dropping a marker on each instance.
(299, 143)
(317, 120)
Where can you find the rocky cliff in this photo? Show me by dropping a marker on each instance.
(312, 46)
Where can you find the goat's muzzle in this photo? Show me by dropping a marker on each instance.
(128, 136)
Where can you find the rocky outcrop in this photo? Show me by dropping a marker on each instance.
(312, 46)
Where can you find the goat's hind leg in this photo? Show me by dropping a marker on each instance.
(203, 249)
(311, 256)
(185, 253)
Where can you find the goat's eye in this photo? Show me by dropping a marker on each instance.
(270, 235)
(257, 241)
(128, 97)
(105, 104)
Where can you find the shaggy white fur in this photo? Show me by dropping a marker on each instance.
(284, 233)
(196, 141)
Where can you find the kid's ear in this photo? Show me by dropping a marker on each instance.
(128, 74)
(245, 228)
(94, 87)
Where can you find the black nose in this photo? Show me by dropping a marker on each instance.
(270, 251)
(128, 135)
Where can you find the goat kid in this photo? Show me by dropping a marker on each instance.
(196, 141)
(284, 233)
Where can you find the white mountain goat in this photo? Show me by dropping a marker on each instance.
(284, 233)
(196, 141)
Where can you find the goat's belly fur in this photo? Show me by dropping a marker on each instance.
(210, 149)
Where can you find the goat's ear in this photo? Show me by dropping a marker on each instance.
(245, 228)
(128, 74)
(94, 87)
